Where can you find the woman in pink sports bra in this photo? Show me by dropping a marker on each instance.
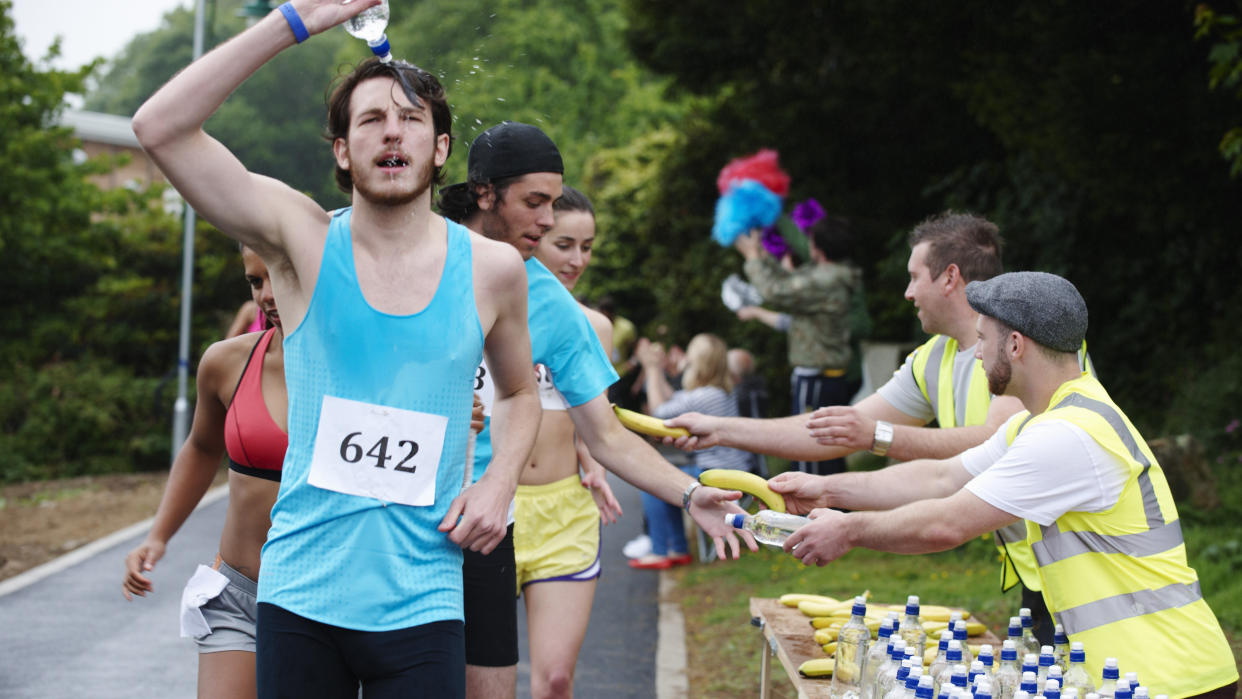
(241, 409)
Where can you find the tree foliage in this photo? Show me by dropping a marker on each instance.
(1085, 130)
(90, 283)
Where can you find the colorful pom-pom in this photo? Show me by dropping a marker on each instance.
(745, 205)
(806, 213)
(763, 167)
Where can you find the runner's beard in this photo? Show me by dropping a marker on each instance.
(1000, 374)
(399, 197)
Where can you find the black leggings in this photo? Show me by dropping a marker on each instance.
(306, 659)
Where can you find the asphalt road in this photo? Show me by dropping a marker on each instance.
(72, 634)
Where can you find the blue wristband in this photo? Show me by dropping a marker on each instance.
(295, 22)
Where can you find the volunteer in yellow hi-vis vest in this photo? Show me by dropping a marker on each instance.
(1104, 528)
(1099, 568)
(965, 401)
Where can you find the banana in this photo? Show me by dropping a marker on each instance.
(934, 612)
(823, 636)
(975, 628)
(793, 598)
(817, 667)
(813, 608)
(929, 655)
(933, 628)
(830, 649)
(730, 479)
(646, 424)
(827, 622)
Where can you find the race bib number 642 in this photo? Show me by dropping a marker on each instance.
(377, 451)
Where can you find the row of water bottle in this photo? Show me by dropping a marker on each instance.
(892, 666)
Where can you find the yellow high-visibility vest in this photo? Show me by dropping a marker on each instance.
(966, 405)
(1118, 580)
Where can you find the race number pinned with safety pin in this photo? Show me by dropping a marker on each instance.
(376, 451)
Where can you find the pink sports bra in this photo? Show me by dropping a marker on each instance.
(255, 443)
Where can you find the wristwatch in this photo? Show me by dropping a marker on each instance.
(685, 496)
(883, 438)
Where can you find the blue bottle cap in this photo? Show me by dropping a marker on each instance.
(737, 521)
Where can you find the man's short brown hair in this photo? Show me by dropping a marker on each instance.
(969, 241)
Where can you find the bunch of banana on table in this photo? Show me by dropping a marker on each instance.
(828, 615)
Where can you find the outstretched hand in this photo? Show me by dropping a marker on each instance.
(842, 426)
(704, 431)
(803, 492)
(822, 541)
(708, 507)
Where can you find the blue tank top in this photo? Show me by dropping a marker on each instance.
(360, 562)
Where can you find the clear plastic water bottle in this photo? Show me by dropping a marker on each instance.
(1007, 673)
(942, 675)
(877, 654)
(1132, 677)
(1076, 674)
(1015, 635)
(1030, 663)
(1054, 673)
(976, 672)
(1123, 690)
(1060, 646)
(911, 684)
(896, 687)
(852, 642)
(369, 25)
(959, 634)
(1028, 630)
(884, 676)
(941, 661)
(958, 677)
(1052, 689)
(912, 628)
(989, 662)
(1110, 673)
(768, 527)
(924, 689)
(984, 689)
(1140, 692)
(1029, 683)
(1046, 660)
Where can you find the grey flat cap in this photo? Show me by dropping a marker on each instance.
(1044, 307)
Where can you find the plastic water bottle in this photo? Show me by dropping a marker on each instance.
(1108, 687)
(1046, 660)
(768, 527)
(911, 685)
(1140, 692)
(1123, 690)
(1060, 646)
(943, 675)
(1030, 663)
(852, 642)
(977, 673)
(959, 634)
(942, 653)
(369, 25)
(989, 662)
(958, 678)
(984, 689)
(1015, 635)
(912, 628)
(1007, 674)
(1028, 632)
(1076, 674)
(1052, 689)
(1029, 683)
(1054, 673)
(896, 687)
(877, 655)
(1132, 678)
(884, 676)
(924, 688)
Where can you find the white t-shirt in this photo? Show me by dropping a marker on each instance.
(1053, 467)
(902, 392)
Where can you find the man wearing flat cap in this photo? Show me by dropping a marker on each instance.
(514, 177)
(1099, 514)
